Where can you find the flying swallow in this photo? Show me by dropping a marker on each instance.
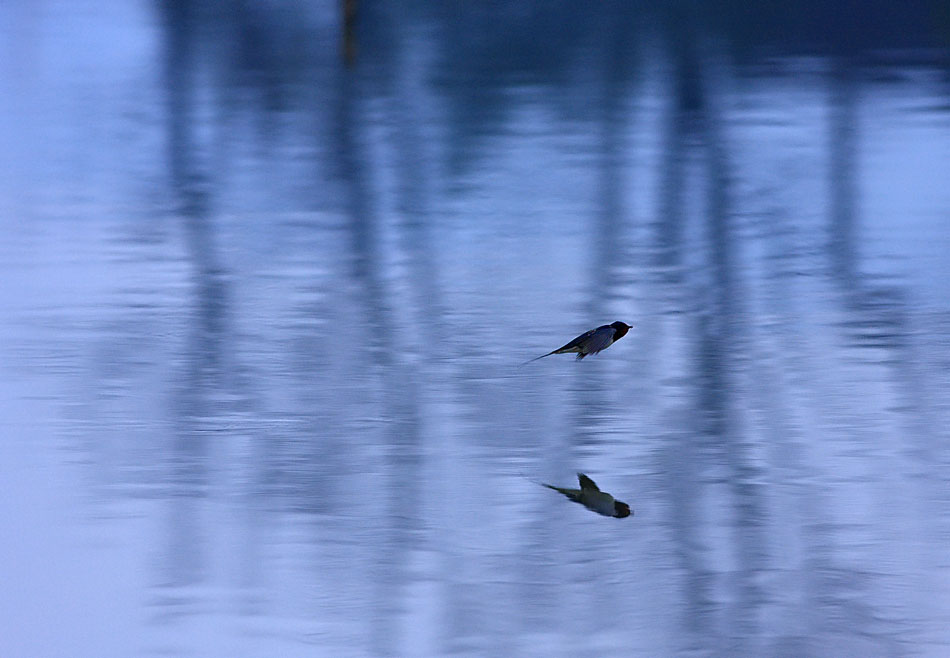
(594, 499)
(592, 341)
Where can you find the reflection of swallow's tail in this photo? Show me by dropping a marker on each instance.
(573, 494)
(532, 480)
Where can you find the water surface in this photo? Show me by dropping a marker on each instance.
(264, 310)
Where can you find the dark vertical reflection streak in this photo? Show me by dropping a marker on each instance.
(190, 444)
(213, 385)
(670, 214)
(842, 156)
(228, 19)
(348, 42)
(876, 319)
(594, 402)
(722, 358)
(412, 170)
(684, 463)
(678, 130)
(617, 69)
(402, 452)
(778, 353)
(876, 312)
(429, 335)
(607, 234)
(827, 590)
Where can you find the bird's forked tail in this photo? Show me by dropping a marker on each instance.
(538, 357)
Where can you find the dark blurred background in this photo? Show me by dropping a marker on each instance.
(268, 270)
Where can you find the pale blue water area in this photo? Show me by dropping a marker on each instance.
(263, 315)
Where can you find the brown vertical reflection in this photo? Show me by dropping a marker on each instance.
(349, 44)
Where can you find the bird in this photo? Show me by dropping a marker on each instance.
(591, 342)
(591, 497)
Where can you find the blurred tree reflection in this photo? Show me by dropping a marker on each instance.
(391, 135)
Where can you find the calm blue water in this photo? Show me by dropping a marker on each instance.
(263, 314)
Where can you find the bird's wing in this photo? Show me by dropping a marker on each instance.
(577, 341)
(600, 339)
(586, 482)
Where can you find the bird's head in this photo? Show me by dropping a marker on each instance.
(622, 510)
(620, 329)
